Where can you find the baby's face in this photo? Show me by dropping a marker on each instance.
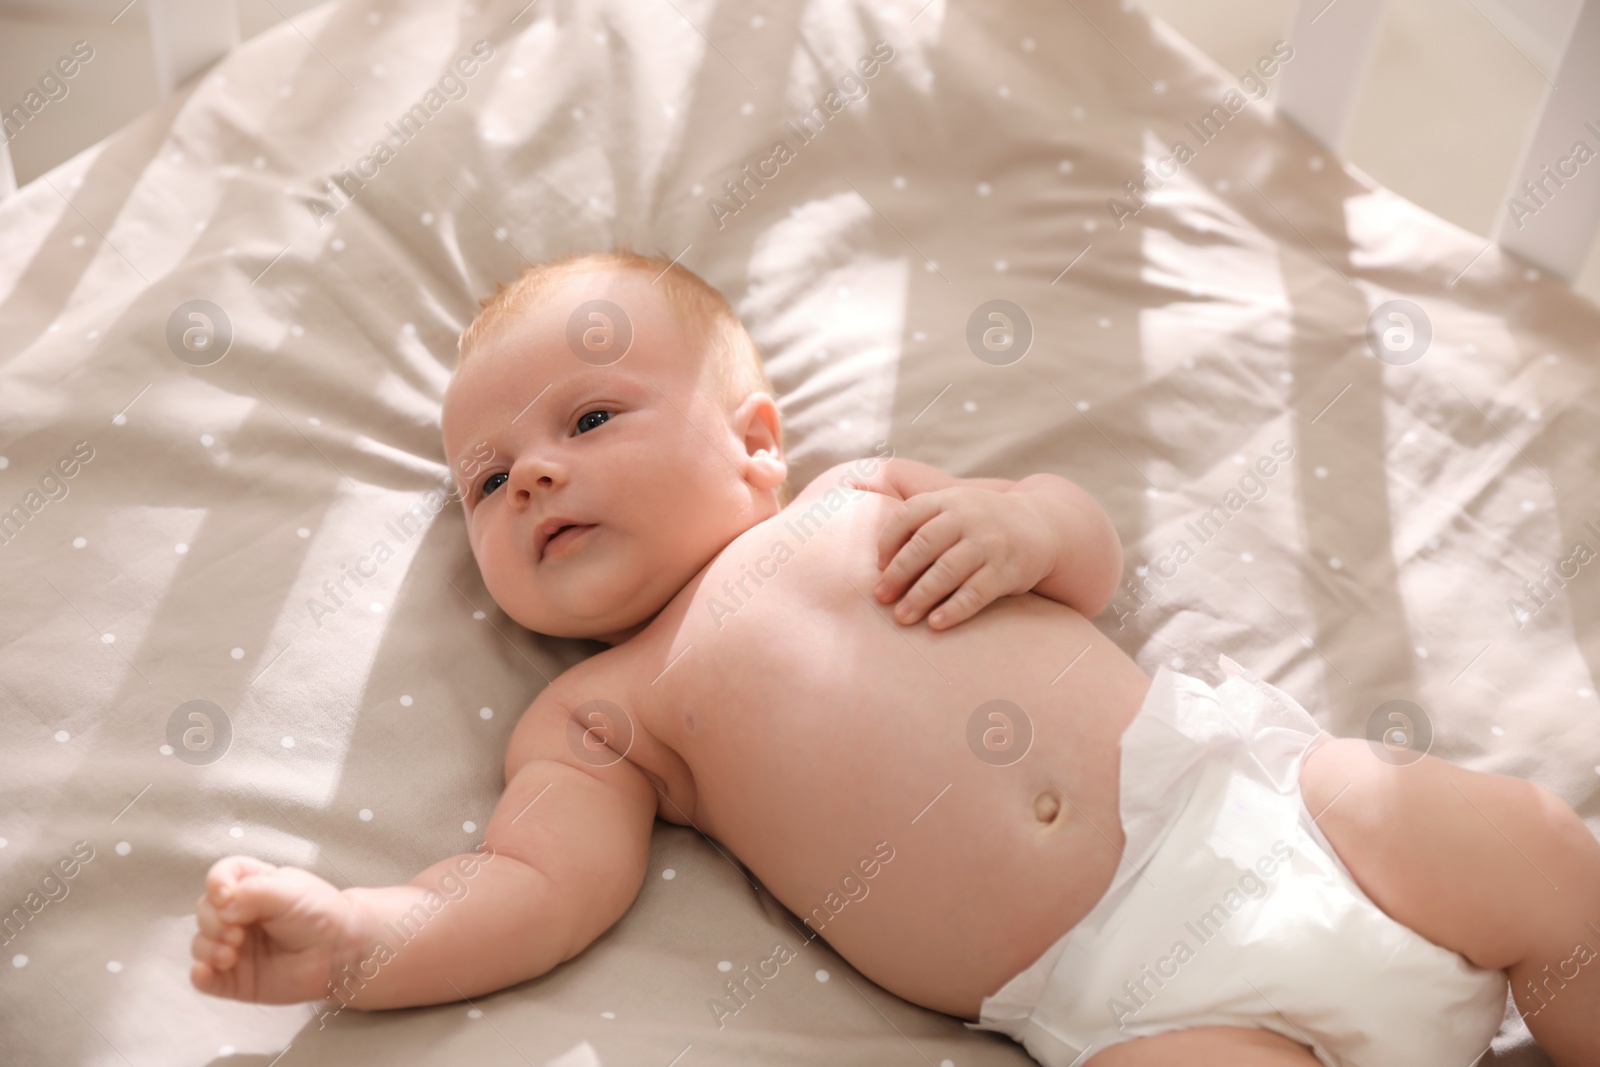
(660, 473)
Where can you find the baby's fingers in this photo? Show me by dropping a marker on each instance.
(953, 567)
(904, 522)
(205, 978)
(213, 953)
(914, 554)
(214, 981)
(226, 874)
(980, 589)
(250, 891)
(205, 914)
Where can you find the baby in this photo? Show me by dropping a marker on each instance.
(893, 679)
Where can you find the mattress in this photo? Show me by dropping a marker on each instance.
(224, 336)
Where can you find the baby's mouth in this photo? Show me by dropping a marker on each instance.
(563, 538)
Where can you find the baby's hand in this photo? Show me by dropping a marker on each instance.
(971, 544)
(267, 934)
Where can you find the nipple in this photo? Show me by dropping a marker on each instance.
(1047, 807)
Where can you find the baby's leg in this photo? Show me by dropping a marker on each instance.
(1208, 1046)
(1494, 868)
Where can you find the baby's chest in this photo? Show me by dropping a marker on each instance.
(815, 556)
(784, 677)
(784, 621)
(783, 633)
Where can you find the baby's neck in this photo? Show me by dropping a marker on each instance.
(623, 635)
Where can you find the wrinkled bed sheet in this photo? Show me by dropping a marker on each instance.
(1177, 337)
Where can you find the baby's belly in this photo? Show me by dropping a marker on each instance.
(940, 807)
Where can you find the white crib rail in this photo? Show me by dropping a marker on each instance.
(1552, 212)
(1332, 47)
(8, 175)
(186, 36)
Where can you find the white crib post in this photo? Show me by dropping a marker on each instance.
(186, 36)
(1332, 41)
(1552, 211)
(8, 174)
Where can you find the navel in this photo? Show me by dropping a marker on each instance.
(1047, 807)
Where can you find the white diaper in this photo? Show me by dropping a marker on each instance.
(1230, 908)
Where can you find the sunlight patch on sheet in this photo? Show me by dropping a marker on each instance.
(26, 235)
(513, 113)
(1225, 298)
(1389, 232)
(830, 318)
(836, 38)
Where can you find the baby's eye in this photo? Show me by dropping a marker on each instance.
(493, 482)
(584, 425)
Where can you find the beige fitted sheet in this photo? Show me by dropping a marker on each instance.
(1168, 353)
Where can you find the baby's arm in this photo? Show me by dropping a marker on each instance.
(563, 857)
(954, 538)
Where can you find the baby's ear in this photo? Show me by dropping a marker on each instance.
(766, 469)
(759, 428)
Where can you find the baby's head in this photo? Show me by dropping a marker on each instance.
(620, 393)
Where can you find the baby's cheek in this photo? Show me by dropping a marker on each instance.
(610, 576)
(511, 590)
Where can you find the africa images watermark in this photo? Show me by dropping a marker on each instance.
(452, 86)
(1552, 985)
(848, 89)
(1208, 129)
(1204, 928)
(853, 886)
(1252, 487)
(741, 993)
(53, 889)
(52, 486)
(404, 929)
(803, 527)
(1539, 191)
(402, 527)
(52, 87)
(1539, 592)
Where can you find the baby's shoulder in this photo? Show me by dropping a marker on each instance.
(849, 477)
(584, 696)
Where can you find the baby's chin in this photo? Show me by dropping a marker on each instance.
(609, 626)
(605, 600)
(609, 636)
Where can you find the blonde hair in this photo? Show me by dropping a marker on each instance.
(732, 367)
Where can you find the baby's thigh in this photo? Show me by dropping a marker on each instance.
(1470, 861)
(1208, 1046)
